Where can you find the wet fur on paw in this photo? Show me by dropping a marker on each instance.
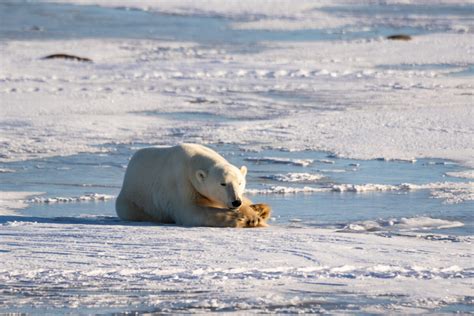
(254, 215)
(263, 210)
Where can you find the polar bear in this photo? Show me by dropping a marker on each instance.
(188, 185)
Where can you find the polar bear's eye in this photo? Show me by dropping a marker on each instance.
(223, 184)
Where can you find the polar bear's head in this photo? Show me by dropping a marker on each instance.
(224, 184)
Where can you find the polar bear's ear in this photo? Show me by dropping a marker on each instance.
(243, 170)
(201, 175)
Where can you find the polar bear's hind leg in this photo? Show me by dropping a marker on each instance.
(129, 211)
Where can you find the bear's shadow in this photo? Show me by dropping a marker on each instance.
(96, 220)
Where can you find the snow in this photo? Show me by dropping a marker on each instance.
(11, 201)
(176, 269)
(391, 114)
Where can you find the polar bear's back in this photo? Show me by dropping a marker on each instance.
(147, 165)
(156, 177)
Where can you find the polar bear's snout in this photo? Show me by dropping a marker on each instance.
(234, 196)
(237, 203)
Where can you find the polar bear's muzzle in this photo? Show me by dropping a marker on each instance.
(233, 198)
(236, 203)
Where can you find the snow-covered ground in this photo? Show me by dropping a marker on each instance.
(401, 100)
(281, 75)
(86, 265)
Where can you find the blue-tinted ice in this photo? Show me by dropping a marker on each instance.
(103, 173)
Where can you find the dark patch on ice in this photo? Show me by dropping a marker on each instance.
(68, 57)
(36, 28)
(399, 37)
(202, 100)
(330, 284)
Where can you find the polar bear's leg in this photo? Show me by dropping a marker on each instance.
(197, 215)
(129, 211)
(218, 217)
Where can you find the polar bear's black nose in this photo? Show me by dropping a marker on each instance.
(236, 203)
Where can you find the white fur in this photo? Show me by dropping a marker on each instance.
(187, 184)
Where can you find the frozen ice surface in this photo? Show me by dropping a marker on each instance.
(82, 198)
(11, 201)
(403, 224)
(358, 97)
(468, 174)
(278, 82)
(296, 177)
(105, 265)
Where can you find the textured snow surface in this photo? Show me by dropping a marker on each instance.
(88, 263)
(336, 96)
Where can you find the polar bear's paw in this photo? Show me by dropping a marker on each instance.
(263, 210)
(254, 215)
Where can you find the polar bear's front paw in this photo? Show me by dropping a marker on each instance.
(262, 210)
(253, 221)
(249, 219)
(254, 215)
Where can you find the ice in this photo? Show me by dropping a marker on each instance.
(82, 198)
(367, 187)
(6, 170)
(119, 260)
(414, 223)
(278, 189)
(450, 192)
(295, 177)
(11, 201)
(296, 162)
(428, 222)
(467, 174)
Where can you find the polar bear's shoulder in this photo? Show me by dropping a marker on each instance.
(189, 154)
(201, 152)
